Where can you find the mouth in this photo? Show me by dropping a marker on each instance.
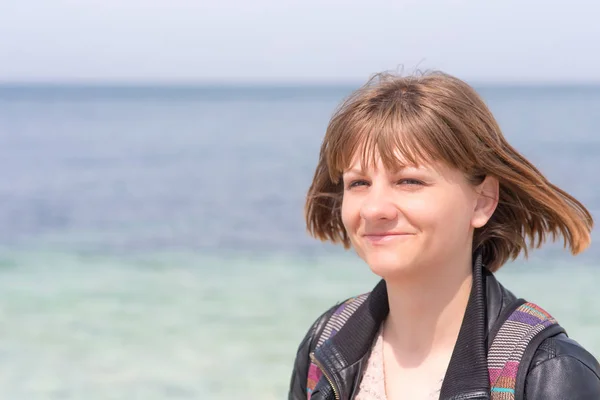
(385, 237)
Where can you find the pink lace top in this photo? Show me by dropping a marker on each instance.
(372, 386)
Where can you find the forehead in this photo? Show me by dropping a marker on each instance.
(396, 160)
(366, 163)
(394, 138)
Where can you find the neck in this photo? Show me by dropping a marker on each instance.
(426, 311)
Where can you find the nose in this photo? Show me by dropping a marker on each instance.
(378, 205)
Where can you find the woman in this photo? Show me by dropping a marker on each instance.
(416, 176)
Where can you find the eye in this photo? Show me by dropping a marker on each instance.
(357, 183)
(410, 182)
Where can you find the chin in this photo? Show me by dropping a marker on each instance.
(388, 266)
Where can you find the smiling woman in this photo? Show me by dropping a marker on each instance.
(405, 221)
(415, 175)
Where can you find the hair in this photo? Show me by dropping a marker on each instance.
(433, 117)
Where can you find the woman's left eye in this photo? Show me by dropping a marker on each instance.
(410, 182)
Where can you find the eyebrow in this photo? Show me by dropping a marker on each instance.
(361, 171)
(357, 171)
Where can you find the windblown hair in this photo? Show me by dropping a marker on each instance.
(435, 117)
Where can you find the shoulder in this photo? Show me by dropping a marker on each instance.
(332, 320)
(562, 368)
(329, 320)
(317, 327)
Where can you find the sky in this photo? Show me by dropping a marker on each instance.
(288, 41)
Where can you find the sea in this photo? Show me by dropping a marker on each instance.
(152, 240)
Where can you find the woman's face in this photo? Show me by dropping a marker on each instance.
(402, 221)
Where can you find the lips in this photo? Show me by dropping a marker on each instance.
(385, 237)
(385, 234)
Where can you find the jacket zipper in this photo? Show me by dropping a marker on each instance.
(335, 392)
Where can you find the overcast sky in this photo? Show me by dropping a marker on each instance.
(297, 41)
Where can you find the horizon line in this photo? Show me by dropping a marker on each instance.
(283, 84)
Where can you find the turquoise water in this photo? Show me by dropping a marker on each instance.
(152, 245)
(193, 327)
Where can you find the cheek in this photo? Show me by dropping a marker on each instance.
(348, 213)
(442, 212)
(422, 211)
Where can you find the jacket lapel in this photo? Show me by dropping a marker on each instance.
(467, 373)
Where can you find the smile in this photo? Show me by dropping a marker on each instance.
(385, 238)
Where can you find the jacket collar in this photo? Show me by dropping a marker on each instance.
(467, 374)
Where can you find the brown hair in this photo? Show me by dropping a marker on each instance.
(437, 117)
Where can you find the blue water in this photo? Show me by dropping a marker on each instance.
(152, 241)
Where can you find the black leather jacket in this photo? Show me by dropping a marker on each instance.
(561, 369)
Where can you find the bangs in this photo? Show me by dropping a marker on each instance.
(398, 136)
